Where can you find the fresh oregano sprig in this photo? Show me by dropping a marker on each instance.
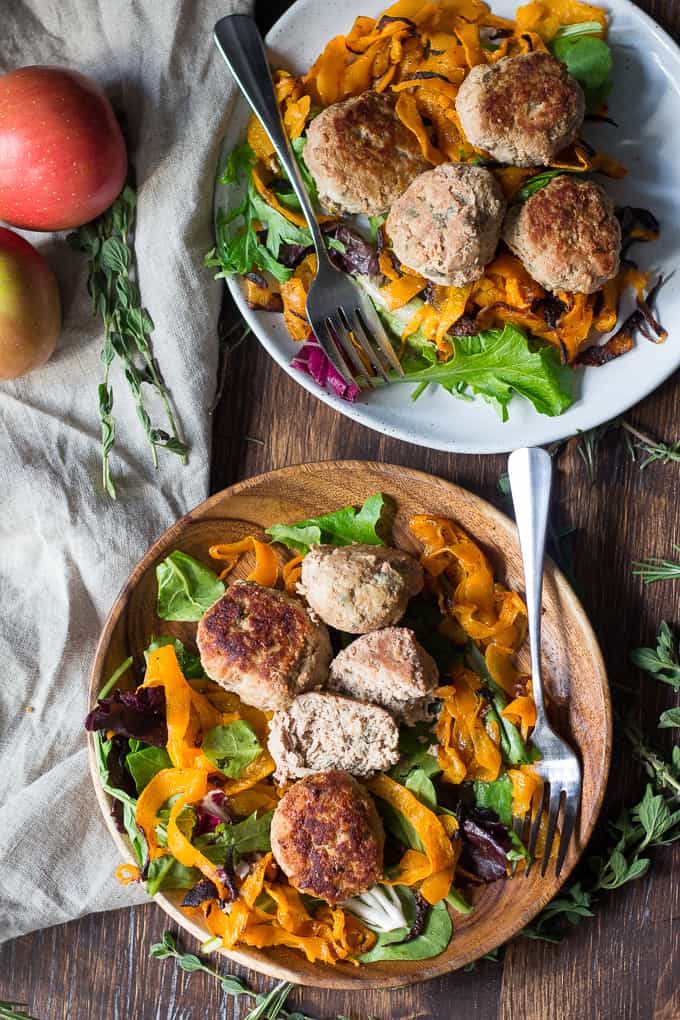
(108, 243)
(267, 1007)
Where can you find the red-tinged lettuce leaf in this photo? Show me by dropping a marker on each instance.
(486, 842)
(139, 714)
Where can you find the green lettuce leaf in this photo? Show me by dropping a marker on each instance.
(588, 59)
(247, 837)
(341, 527)
(186, 589)
(498, 363)
(232, 748)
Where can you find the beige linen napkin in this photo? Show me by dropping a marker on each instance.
(65, 548)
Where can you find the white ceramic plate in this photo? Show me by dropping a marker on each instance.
(645, 102)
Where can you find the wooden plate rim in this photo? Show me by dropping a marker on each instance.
(324, 976)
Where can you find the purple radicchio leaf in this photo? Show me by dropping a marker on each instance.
(485, 845)
(313, 362)
(139, 714)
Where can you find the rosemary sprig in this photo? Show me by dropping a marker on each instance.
(12, 1011)
(656, 569)
(108, 243)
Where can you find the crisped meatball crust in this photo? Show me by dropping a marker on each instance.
(390, 668)
(567, 235)
(447, 223)
(327, 837)
(361, 155)
(325, 731)
(522, 110)
(263, 644)
(358, 588)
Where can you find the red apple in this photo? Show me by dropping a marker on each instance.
(62, 155)
(30, 310)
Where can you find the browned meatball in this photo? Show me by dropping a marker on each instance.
(567, 235)
(358, 588)
(361, 155)
(447, 223)
(327, 837)
(263, 645)
(522, 110)
(390, 668)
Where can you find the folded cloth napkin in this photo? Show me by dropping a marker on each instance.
(65, 548)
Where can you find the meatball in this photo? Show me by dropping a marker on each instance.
(567, 235)
(326, 731)
(264, 645)
(358, 588)
(361, 155)
(447, 223)
(390, 668)
(522, 110)
(327, 837)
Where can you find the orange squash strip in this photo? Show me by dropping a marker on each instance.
(294, 298)
(525, 784)
(266, 571)
(327, 73)
(436, 844)
(469, 38)
(454, 308)
(399, 292)
(295, 116)
(501, 667)
(258, 140)
(257, 798)
(407, 111)
(126, 874)
(189, 785)
(522, 712)
(270, 198)
(291, 573)
(178, 845)
(254, 773)
(162, 670)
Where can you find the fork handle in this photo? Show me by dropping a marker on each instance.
(530, 473)
(240, 43)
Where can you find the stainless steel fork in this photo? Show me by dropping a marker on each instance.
(530, 472)
(336, 306)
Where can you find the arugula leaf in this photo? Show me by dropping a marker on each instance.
(298, 147)
(186, 589)
(279, 229)
(189, 664)
(145, 763)
(433, 940)
(496, 796)
(232, 748)
(662, 662)
(497, 363)
(375, 223)
(341, 527)
(238, 164)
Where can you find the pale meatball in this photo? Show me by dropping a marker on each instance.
(328, 837)
(447, 223)
(264, 645)
(567, 235)
(325, 731)
(358, 588)
(390, 668)
(522, 110)
(361, 156)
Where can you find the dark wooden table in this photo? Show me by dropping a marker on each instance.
(618, 965)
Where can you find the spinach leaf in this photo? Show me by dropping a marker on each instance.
(424, 618)
(341, 527)
(145, 763)
(186, 589)
(422, 787)
(534, 184)
(232, 748)
(589, 60)
(399, 825)
(189, 664)
(498, 363)
(167, 873)
(433, 941)
(497, 796)
(247, 837)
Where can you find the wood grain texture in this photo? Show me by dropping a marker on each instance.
(618, 965)
(575, 679)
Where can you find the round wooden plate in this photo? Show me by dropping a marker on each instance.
(574, 674)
